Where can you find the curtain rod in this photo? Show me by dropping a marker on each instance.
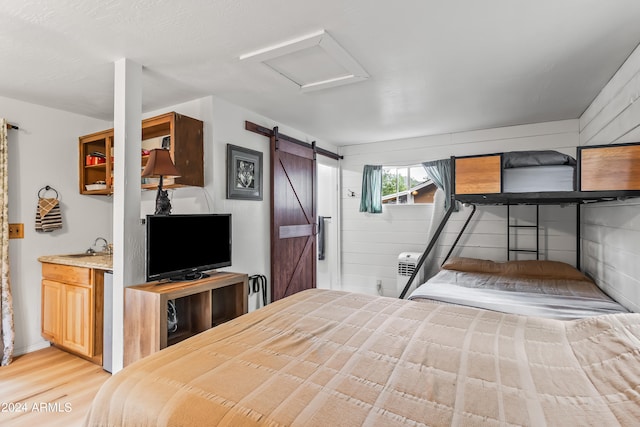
(10, 126)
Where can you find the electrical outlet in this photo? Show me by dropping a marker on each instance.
(16, 231)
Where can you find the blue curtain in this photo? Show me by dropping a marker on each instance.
(371, 200)
(440, 173)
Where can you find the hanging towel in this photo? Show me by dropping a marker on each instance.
(48, 215)
(320, 238)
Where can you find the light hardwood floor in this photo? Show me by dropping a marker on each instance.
(48, 387)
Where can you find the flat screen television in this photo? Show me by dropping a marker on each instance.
(185, 246)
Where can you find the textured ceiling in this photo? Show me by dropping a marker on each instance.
(434, 66)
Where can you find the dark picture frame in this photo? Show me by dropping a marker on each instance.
(244, 173)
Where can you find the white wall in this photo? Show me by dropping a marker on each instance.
(45, 152)
(371, 242)
(611, 231)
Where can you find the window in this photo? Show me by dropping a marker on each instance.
(406, 185)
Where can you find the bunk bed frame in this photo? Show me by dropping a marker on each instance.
(603, 173)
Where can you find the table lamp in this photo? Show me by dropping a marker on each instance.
(160, 165)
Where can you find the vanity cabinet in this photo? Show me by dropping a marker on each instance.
(72, 309)
(96, 163)
(51, 310)
(180, 134)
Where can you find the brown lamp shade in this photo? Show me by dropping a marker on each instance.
(160, 164)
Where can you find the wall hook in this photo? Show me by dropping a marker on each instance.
(45, 189)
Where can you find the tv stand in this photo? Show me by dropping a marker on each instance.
(201, 303)
(188, 277)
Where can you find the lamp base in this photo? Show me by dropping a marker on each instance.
(163, 205)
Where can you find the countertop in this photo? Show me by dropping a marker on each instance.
(98, 261)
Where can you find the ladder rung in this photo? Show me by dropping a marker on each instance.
(510, 226)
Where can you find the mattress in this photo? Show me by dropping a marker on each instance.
(535, 288)
(331, 358)
(538, 178)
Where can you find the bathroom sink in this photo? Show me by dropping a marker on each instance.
(80, 255)
(99, 260)
(85, 254)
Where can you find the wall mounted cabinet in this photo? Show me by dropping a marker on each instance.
(96, 163)
(181, 135)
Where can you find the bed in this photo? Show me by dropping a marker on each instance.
(515, 172)
(332, 358)
(535, 171)
(600, 173)
(542, 288)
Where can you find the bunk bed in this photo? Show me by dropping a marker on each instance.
(600, 173)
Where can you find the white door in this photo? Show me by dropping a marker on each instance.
(328, 272)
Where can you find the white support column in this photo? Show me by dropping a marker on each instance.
(128, 232)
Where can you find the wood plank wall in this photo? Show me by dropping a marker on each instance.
(371, 242)
(611, 231)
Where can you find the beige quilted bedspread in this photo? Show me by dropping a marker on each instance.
(329, 358)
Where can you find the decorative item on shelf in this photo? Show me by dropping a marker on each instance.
(244, 173)
(95, 158)
(159, 166)
(172, 317)
(97, 185)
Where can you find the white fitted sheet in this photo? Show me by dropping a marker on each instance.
(538, 178)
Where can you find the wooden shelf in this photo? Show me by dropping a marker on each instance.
(186, 149)
(186, 145)
(90, 173)
(180, 336)
(200, 304)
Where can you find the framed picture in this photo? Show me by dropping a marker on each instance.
(244, 173)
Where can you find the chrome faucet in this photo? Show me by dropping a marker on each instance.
(105, 247)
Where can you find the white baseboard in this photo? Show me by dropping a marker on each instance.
(34, 347)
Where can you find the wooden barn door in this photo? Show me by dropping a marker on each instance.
(293, 217)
